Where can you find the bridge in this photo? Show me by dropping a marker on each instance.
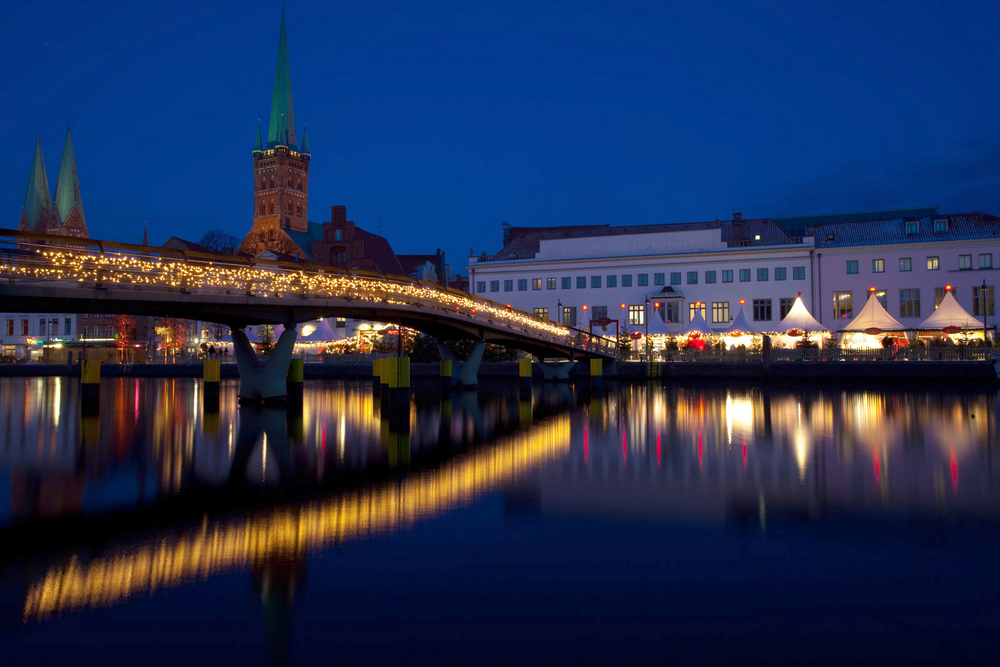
(57, 274)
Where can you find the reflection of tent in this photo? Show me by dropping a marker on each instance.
(698, 325)
(741, 324)
(950, 314)
(800, 318)
(874, 316)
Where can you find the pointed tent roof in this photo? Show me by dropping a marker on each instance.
(950, 314)
(304, 148)
(281, 131)
(874, 316)
(698, 324)
(741, 323)
(259, 144)
(37, 200)
(799, 317)
(68, 183)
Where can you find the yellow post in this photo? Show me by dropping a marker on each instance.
(211, 375)
(212, 371)
(596, 368)
(90, 371)
(524, 373)
(293, 381)
(90, 385)
(446, 368)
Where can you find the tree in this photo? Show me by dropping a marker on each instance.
(173, 335)
(219, 241)
(125, 331)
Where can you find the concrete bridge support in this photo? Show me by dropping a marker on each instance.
(263, 382)
(556, 371)
(467, 375)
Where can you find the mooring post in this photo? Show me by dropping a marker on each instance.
(90, 386)
(399, 383)
(524, 373)
(447, 366)
(211, 375)
(294, 381)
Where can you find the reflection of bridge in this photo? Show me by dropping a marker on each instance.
(40, 273)
(289, 532)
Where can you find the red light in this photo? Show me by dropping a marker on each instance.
(623, 305)
(798, 294)
(657, 450)
(948, 287)
(585, 307)
(656, 304)
(871, 289)
(954, 471)
(742, 301)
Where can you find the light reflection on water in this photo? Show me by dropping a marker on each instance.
(700, 454)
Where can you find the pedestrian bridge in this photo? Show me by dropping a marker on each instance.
(56, 274)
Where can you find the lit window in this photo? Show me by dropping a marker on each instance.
(720, 312)
(542, 313)
(932, 263)
(878, 266)
(637, 314)
(536, 283)
(842, 305)
(982, 300)
(550, 283)
(695, 308)
(909, 303)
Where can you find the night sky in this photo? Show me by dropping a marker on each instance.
(445, 119)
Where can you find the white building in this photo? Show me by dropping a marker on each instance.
(22, 332)
(583, 273)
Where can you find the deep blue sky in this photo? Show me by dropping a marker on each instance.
(447, 118)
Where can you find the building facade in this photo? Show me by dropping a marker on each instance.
(579, 274)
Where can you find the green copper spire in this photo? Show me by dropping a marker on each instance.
(281, 132)
(37, 201)
(259, 144)
(68, 183)
(305, 140)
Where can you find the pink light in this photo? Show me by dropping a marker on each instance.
(586, 444)
(657, 450)
(954, 471)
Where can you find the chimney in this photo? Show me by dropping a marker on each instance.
(738, 218)
(506, 232)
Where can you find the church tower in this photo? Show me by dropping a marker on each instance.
(64, 216)
(281, 166)
(37, 212)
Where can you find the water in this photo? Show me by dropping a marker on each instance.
(689, 525)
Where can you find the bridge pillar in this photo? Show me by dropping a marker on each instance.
(556, 371)
(263, 382)
(468, 373)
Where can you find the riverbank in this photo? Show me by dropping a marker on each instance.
(967, 372)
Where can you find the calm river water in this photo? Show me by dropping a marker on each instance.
(703, 524)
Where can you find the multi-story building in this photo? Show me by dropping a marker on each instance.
(578, 274)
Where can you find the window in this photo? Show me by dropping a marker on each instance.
(341, 323)
(536, 283)
(675, 278)
(852, 266)
(744, 275)
(289, 207)
(982, 299)
(761, 275)
(938, 296)
(595, 282)
(599, 312)
(67, 326)
(798, 273)
(270, 207)
(878, 266)
(932, 263)
(727, 276)
(709, 277)
(905, 264)
(338, 235)
(341, 257)
(569, 316)
(762, 310)
(964, 263)
(643, 279)
(581, 282)
(695, 308)
(692, 277)
(672, 312)
(262, 209)
(941, 225)
(909, 303)
(780, 273)
(550, 283)
(508, 286)
(986, 261)
(912, 227)
(720, 312)
(10, 327)
(637, 314)
(41, 326)
(882, 298)
(522, 284)
(480, 286)
(627, 280)
(542, 313)
(109, 331)
(24, 326)
(613, 281)
(298, 209)
(567, 283)
(658, 279)
(494, 285)
(784, 305)
(85, 332)
(842, 306)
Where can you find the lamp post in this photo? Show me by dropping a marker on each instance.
(559, 313)
(982, 295)
(645, 317)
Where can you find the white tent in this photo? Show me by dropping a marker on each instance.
(657, 327)
(741, 323)
(800, 318)
(698, 325)
(950, 314)
(874, 316)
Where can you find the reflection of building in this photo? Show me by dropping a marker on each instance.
(579, 273)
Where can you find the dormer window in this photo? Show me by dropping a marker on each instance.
(941, 225)
(912, 227)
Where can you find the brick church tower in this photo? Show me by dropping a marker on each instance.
(281, 167)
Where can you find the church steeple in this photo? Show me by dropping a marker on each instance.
(258, 145)
(305, 141)
(281, 131)
(37, 200)
(68, 184)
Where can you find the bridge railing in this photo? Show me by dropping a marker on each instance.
(27, 258)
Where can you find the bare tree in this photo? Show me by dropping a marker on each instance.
(219, 241)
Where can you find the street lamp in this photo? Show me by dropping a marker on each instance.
(559, 313)
(645, 317)
(982, 295)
